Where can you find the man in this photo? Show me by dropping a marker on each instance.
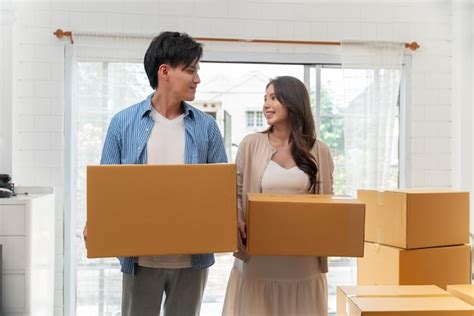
(163, 129)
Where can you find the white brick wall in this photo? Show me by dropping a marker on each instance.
(38, 61)
(6, 22)
(462, 96)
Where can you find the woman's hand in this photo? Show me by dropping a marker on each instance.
(242, 237)
(242, 233)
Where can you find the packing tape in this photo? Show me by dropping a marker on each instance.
(377, 248)
(379, 235)
(380, 198)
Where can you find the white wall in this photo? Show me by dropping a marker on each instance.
(6, 23)
(462, 97)
(38, 60)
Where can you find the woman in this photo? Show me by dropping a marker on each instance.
(286, 158)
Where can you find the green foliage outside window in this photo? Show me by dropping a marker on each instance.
(331, 131)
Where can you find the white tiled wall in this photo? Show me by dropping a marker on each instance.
(6, 22)
(37, 68)
(462, 97)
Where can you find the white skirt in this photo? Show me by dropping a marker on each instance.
(267, 285)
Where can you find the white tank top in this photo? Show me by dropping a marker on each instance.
(279, 180)
(166, 146)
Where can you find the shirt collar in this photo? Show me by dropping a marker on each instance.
(146, 107)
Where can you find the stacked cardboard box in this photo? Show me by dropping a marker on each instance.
(415, 237)
(424, 300)
(304, 225)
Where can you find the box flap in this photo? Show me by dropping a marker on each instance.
(392, 290)
(300, 198)
(414, 304)
(463, 291)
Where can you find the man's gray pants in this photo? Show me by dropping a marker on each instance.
(142, 293)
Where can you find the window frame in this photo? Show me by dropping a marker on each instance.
(257, 117)
(100, 54)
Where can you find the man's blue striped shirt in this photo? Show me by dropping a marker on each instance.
(126, 143)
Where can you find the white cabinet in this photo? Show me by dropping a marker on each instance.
(27, 235)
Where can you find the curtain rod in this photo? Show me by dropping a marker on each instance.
(59, 33)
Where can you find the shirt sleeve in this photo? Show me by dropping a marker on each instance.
(112, 145)
(216, 150)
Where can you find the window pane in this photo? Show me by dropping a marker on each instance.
(332, 133)
(332, 93)
(259, 119)
(331, 118)
(250, 118)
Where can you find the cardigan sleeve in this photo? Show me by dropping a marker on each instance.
(240, 162)
(326, 168)
(331, 171)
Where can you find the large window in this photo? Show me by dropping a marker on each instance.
(104, 88)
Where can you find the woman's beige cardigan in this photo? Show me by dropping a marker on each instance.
(253, 156)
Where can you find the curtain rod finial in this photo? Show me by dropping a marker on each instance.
(59, 33)
(413, 46)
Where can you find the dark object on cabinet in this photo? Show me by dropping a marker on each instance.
(7, 189)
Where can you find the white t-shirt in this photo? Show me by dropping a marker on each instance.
(166, 146)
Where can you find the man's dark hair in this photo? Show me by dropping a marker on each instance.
(172, 48)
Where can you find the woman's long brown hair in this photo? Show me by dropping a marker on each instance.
(293, 95)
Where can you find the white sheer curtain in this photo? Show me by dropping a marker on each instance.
(103, 76)
(372, 72)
